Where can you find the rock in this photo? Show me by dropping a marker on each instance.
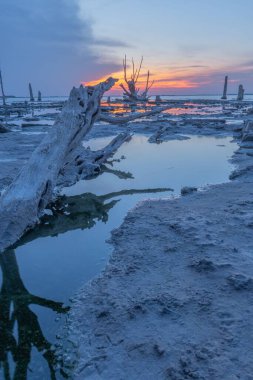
(240, 282)
(188, 190)
(3, 129)
(203, 265)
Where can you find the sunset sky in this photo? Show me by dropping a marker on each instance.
(188, 45)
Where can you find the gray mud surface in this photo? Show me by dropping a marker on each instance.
(176, 298)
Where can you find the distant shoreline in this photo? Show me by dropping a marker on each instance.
(115, 95)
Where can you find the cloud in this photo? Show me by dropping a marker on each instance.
(46, 42)
(111, 43)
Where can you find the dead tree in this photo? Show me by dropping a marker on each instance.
(2, 89)
(131, 92)
(39, 96)
(224, 96)
(240, 95)
(31, 93)
(59, 161)
(59, 154)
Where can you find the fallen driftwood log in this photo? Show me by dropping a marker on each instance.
(126, 119)
(24, 201)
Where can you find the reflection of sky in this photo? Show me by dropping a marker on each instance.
(55, 267)
(188, 45)
(172, 164)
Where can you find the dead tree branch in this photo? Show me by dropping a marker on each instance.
(131, 93)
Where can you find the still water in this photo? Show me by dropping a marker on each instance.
(68, 249)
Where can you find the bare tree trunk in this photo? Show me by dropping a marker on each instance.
(2, 89)
(31, 93)
(131, 93)
(25, 199)
(240, 95)
(224, 96)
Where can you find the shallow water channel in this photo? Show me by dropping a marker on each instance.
(69, 248)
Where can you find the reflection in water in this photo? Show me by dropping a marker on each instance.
(20, 330)
(27, 322)
(189, 110)
(79, 212)
(14, 311)
(121, 108)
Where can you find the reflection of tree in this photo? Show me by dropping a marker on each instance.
(79, 212)
(14, 310)
(119, 173)
(68, 213)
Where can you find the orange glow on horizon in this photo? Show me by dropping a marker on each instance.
(161, 81)
(178, 77)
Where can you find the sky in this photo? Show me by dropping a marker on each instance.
(188, 45)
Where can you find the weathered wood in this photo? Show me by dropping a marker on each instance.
(25, 199)
(31, 93)
(131, 93)
(2, 89)
(224, 96)
(240, 95)
(85, 163)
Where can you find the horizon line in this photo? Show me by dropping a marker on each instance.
(114, 95)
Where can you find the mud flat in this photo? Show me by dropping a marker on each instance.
(141, 318)
(176, 298)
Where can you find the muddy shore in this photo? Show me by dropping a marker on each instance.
(175, 300)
